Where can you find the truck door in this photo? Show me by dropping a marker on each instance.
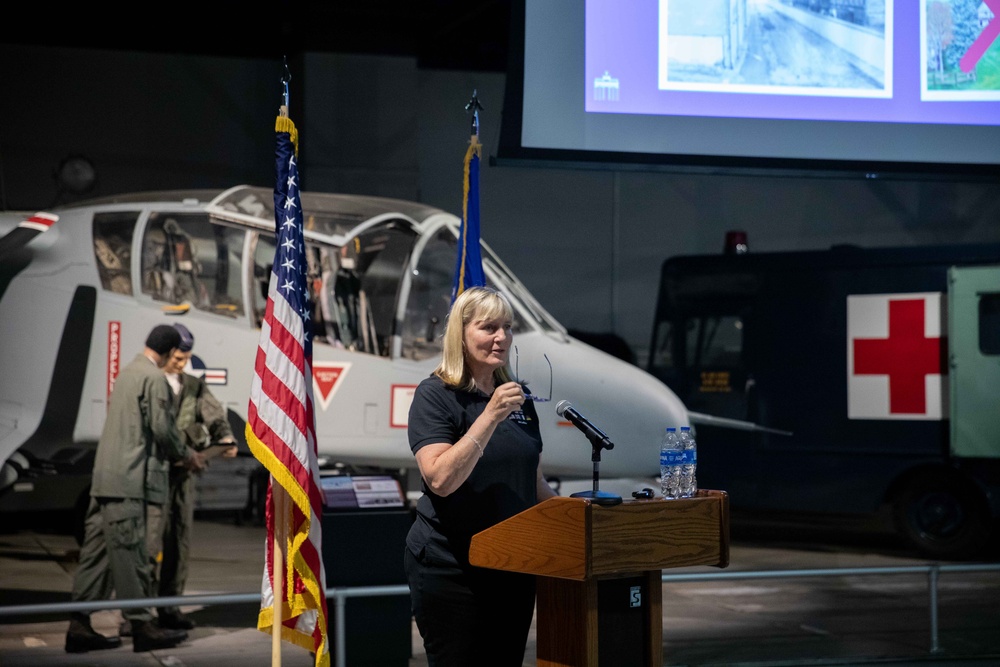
(974, 355)
(699, 353)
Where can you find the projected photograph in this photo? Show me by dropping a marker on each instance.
(960, 45)
(725, 82)
(802, 47)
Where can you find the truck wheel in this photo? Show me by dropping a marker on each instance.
(942, 517)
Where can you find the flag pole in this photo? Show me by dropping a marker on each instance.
(475, 107)
(281, 426)
(468, 259)
(278, 570)
(278, 500)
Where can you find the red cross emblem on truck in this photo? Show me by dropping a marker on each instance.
(895, 340)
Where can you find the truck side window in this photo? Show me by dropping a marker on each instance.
(989, 324)
(113, 234)
(186, 258)
(662, 354)
(715, 341)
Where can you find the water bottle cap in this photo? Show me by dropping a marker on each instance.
(685, 428)
(671, 428)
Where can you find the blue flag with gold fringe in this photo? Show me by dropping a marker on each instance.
(469, 262)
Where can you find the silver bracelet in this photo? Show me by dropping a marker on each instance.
(476, 443)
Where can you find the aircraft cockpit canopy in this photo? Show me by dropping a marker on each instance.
(380, 271)
(331, 215)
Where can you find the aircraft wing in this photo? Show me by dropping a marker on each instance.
(25, 231)
(739, 425)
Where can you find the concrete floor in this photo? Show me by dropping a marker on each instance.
(844, 620)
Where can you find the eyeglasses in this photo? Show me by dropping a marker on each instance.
(517, 376)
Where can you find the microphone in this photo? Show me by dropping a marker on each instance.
(594, 434)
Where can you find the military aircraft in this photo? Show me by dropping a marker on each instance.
(77, 301)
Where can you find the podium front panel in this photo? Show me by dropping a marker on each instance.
(622, 633)
(595, 561)
(658, 534)
(571, 538)
(603, 622)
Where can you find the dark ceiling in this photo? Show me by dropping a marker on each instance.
(441, 34)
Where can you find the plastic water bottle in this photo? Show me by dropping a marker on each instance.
(670, 464)
(689, 463)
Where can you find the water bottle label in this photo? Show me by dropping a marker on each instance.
(671, 458)
(689, 457)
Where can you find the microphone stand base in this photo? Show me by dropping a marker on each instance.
(598, 497)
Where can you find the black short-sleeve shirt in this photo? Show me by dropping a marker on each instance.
(503, 481)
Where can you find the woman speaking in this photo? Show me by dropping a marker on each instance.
(477, 444)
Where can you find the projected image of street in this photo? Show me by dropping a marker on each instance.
(834, 46)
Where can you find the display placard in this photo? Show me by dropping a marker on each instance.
(361, 492)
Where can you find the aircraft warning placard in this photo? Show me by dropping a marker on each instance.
(327, 378)
(402, 397)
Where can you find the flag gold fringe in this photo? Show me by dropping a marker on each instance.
(295, 563)
(285, 124)
(475, 148)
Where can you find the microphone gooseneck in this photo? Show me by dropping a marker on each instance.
(598, 441)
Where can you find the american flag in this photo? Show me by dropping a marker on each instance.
(281, 423)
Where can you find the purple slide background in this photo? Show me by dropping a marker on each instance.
(625, 45)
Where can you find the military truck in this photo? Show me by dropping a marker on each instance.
(881, 364)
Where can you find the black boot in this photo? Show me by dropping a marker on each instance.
(148, 636)
(175, 620)
(81, 637)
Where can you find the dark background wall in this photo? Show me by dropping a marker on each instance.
(385, 116)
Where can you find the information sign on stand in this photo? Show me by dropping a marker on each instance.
(365, 522)
(352, 492)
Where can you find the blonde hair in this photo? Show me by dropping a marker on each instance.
(472, 305)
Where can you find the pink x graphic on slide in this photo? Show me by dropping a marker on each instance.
(986, 37)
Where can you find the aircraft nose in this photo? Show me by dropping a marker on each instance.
(631, 406)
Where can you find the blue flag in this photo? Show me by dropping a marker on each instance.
(469, 262)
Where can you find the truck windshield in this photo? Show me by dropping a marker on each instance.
(701, 357)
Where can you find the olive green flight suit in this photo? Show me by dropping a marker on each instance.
(202, 421)
(138, 445)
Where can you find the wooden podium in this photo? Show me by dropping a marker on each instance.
(599, 597)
